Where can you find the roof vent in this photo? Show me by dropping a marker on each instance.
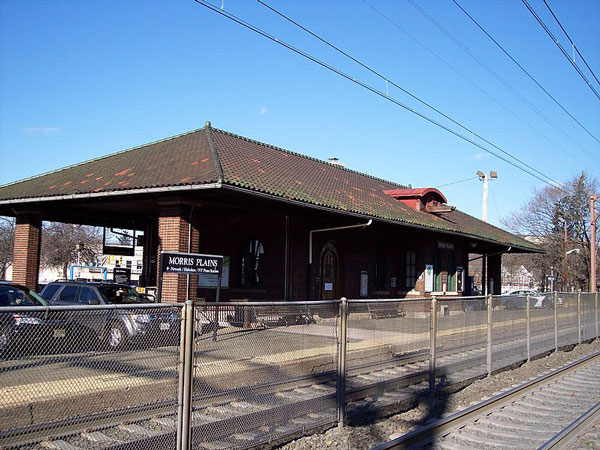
(334, 160)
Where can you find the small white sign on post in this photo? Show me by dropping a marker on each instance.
(428, 277)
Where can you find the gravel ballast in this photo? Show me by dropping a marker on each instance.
(365, 434)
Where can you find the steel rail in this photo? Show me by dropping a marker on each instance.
(575, 428)
(428, 433)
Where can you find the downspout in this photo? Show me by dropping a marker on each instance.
(320, 230)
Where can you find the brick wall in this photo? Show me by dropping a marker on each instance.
(225, 234)
(26, 252)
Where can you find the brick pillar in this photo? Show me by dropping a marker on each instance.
(26, 252)
(173, 232)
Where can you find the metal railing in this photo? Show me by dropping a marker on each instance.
(243, 374)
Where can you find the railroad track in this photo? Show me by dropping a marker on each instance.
(546, 412)
(291, 404)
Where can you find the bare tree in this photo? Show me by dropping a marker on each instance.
(59, 245)
(544, 218)
(7, 235)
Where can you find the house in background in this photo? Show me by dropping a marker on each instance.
(291, 227)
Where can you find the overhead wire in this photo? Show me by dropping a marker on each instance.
(533, 172)
(457, 182)
(561, 48)
(538, 84)
(571, 41)
(387, 80)
(494, 99)
(505, 83)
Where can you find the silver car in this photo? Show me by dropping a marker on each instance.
(115, 327)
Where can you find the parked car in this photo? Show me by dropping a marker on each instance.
(118, 327)
(20, 331)
(518, 299)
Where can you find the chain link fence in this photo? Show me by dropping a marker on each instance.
(541, 324)
(244, 374)
(460, 338)
(268, 372)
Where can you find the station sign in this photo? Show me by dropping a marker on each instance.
(190, 263)
(122, 275)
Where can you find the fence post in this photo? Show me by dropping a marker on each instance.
(555, 321)
(341, 369)
(489, 334)
(432, 343)
(528, 315)
(579, 330)
(186, 370)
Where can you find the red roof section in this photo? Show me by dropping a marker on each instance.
(414, 193)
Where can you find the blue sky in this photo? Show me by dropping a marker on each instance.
(83, 79)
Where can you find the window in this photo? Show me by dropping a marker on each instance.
(87, 294)
(68, 294)
(128, 264)
(381, 268)
(411, 269)
(49, 291)
(252, 264)
(13, 296)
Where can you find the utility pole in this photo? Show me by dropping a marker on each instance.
(593, 198)
(485, 178)
(565, 268)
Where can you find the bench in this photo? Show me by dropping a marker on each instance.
(385, 310)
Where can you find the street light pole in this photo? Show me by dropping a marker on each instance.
(593, 198)
(79, 247)
(485, 178)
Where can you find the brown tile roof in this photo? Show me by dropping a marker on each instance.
(188, 159)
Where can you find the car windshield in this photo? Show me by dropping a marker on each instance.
(18, 296)
(120, 294)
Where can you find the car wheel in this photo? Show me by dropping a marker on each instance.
(545, 303)
(116, 337)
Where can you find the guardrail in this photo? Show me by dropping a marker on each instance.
(242, 374)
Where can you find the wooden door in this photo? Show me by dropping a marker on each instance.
(330, 274)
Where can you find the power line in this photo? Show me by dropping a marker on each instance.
(506, 84)
(564, 52)
(373, 90)
(571, 41)
(524, 70)
(387, 80)
(550, 141)
(456, 182)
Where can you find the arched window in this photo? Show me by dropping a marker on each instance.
(411, 269)
(252, 264)
(381, 269)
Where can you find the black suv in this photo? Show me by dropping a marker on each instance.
(115, 327)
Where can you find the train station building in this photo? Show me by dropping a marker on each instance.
(290, 227)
